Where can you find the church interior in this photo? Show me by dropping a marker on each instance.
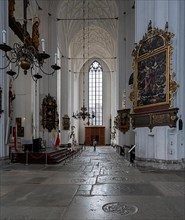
(92, 109)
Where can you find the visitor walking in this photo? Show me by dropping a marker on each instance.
(94, 144)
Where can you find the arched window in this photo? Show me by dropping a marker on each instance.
(95, 92)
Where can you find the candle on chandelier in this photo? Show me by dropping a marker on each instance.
(4, 36)
(56, 58)
(43, 45)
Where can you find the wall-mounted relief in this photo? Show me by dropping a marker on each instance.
(153, 80)
(122, 120)
(66, 122)
(49, 113)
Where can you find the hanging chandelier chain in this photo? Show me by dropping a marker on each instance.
(84, 114)
(83, 52)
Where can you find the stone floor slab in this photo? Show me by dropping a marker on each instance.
(171, 188)
(149, 208)
(98, 185)
(31, 213)
(125, 189)
(40, 195)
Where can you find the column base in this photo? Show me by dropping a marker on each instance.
(160, 164)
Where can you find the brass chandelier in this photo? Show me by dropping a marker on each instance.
(83, 114)
(26, 55)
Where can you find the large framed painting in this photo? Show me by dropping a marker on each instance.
(152, 80)
(153, 84)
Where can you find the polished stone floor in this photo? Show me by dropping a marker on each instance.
(94, 185)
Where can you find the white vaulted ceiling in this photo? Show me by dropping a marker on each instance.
(96, 29)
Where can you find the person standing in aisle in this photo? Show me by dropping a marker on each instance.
(94, 144)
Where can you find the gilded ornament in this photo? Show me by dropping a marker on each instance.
(173, 86)
(131, 96)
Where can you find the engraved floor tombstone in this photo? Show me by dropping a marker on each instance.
(95, 185)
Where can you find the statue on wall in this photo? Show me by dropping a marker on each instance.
(113, 136)
(124, 99)
(72, 136)
(11, 8)
(35, 32)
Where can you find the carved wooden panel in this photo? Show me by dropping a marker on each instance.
(122, 120)
(49, 113)
(158, 118)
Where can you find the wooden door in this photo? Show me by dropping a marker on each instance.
(95, 132)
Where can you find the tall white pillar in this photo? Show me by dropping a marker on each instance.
(126, 31)
(3, 81)
(164, 146)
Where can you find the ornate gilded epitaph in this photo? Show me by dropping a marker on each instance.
(153, 84)
(122, 120)
(49, 113)
(153, 80)
(66, 122)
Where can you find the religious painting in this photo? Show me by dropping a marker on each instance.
(152, 80)
(153, 84)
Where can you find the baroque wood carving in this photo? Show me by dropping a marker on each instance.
(66, 122)
(157, 118)
(122, 120)
(49, 113)
(153, 84)
(18, 28)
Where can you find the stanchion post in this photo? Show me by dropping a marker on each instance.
(10, 152)
(65, 156)
(46, 158)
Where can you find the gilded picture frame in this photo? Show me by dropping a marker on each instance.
(152, 76)
(152, 79)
